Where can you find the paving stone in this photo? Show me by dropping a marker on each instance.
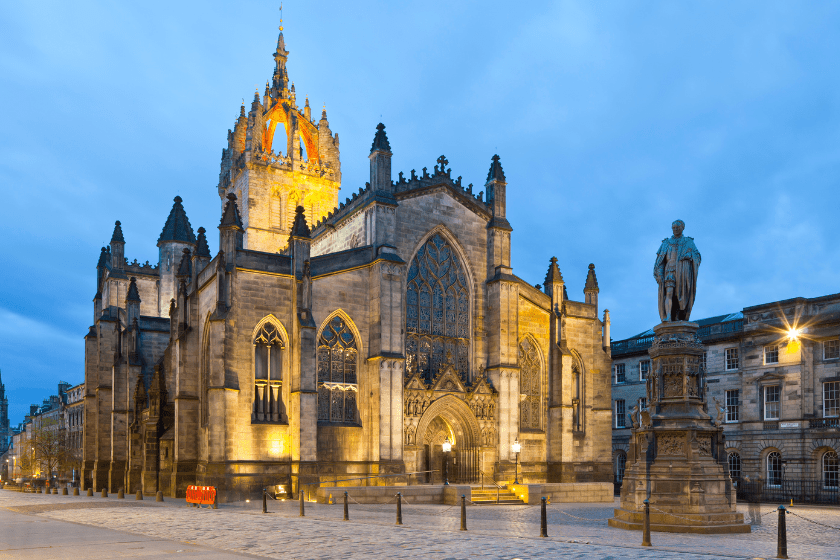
(430, 531)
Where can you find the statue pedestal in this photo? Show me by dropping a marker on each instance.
(677, 456)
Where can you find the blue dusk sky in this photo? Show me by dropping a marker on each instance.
(612, 119)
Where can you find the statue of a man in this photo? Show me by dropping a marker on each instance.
(677, 262)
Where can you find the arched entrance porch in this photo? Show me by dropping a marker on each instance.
(449, 417)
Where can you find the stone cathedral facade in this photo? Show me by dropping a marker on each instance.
(329, 341)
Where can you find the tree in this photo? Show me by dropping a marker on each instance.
(51, 452)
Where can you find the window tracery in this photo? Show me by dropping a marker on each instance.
(530, 378)
(268, 375)
(437, 311)
(337, 381)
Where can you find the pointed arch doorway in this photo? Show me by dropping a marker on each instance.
(450, 417)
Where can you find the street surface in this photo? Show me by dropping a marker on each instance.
(53, 526)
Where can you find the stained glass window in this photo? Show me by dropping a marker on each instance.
(337, 382)
(268, 379)
(530, 384)
(437, 311)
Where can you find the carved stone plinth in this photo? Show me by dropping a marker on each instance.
(677, 456)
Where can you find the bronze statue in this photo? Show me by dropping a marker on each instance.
(677, 262)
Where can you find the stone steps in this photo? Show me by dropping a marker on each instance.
(488, 497)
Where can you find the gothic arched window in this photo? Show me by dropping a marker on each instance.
(530, 385)
(437, 311)
(268, 378)
(338, 387)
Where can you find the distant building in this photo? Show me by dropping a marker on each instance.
(63, 412)
(5, 427)
(74, 421)
(774, 370)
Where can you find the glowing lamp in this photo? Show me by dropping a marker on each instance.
(793, 333)
(516, 447)
(447, 446)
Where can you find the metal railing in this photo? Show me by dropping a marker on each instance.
(803, 491)
(823, 423)
(631, 345)
(705, 332)
(717, 329)
(493, 480)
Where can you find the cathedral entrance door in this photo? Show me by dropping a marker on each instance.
(450, 418)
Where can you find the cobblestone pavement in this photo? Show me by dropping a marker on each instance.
(509, 532)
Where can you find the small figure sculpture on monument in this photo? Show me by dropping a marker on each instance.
(677, 262)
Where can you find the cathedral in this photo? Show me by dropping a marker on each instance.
(333, 341)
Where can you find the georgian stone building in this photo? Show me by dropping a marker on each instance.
(773, 371)
(327, 341)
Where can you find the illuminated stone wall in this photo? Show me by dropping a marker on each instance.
(190, 407)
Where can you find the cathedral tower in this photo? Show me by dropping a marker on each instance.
(279, 158)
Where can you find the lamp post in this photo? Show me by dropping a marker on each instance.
(447, 447)
(516, 447)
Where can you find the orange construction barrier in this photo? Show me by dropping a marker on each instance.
(201, 495)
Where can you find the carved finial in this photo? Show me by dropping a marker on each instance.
(591, 279)
(496, 173)
(380, 140)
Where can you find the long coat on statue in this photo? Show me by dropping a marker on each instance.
(677, 263)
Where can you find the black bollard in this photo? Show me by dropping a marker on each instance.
(463, 512)
(543, 518)
(159, 496)
(399, 508)
(90, 492)
(75, 490)
(138, 495)
(104, 492)
(781, 550)
(646, 528)
(64, 491)
(346, 509)
(121, 494)
(300, 493)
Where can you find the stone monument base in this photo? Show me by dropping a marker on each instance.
(701, 523)
(677, 453)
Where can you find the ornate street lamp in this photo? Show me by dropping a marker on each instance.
(447, 448)
(516, 447)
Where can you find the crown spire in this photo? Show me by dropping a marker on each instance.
(280, 79)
